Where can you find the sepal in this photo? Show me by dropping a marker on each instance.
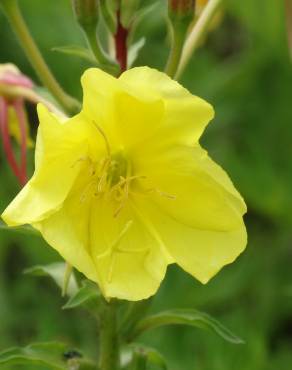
(87, 296)
(134, 51)
(57, 272)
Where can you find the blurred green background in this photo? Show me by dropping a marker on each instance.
(243, 69)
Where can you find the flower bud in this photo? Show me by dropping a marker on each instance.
(289, 25)
(15, 90)
(86, 12)
(128, 11)
(181, 9)
(13, 84)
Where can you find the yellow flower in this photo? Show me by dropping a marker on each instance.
(123, 189)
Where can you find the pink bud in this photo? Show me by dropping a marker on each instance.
(10, 75)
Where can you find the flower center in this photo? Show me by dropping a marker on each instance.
(112, 177)
(119, 168)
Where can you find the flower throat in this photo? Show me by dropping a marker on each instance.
(113, 175)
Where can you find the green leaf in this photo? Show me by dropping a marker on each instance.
(149, 355)
(57, 272)
(77, 51)
(87, 295)
(188, 317)
(25, 229)
(48, 354)
(134, 51)
(57, 356)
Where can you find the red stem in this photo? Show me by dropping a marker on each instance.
(18, 106)
(121, 44)
(7, 146)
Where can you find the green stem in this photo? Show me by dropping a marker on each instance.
(34, 56)
(196, 34)
(136, 310)
(109, 341)
(105, 62)
(178, 38)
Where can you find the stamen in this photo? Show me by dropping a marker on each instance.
(113, 177)
(100, 130)
(161, 193)
(103, 177)
(123, 187)
(84, 159)
(86, 190)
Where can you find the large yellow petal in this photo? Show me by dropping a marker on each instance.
(191, 188)
(136, 121)
(59, 148)
(99, 89)
(143, 106)
(202, 253)
(128, 256)
(127, 118)
(185, 116)
(67, 230)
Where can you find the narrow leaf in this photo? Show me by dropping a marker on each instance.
(76, 51)
(54, 355)
(188, 317)
(57, 272)
(43, 354)
(88, 294)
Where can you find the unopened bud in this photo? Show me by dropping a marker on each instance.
(13, 84)
(181, 8)
(128, 10)
(86, 12)
(289, 25)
